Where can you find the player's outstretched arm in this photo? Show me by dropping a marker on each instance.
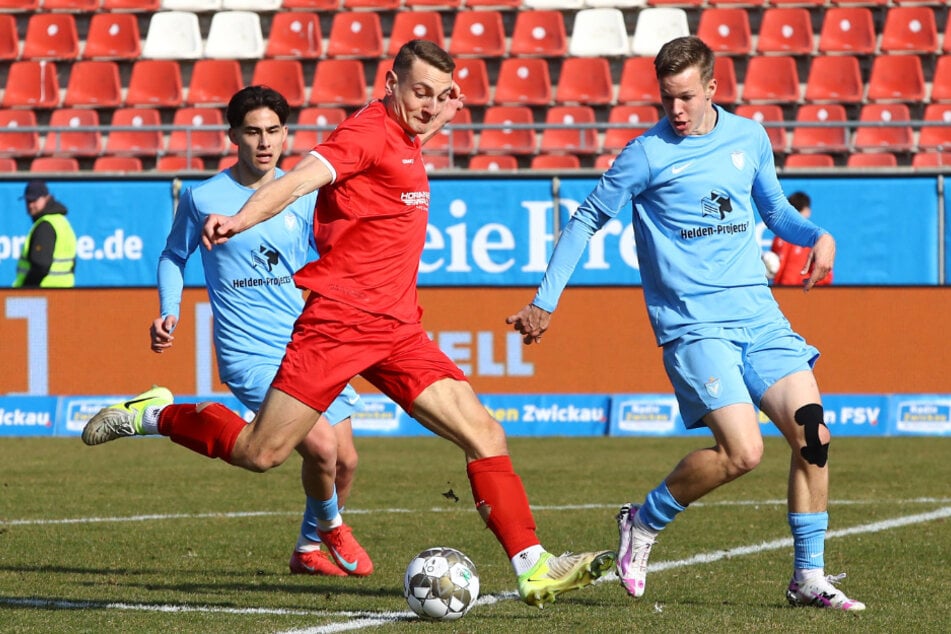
(307, 176)
(531, 322)
(820, 260)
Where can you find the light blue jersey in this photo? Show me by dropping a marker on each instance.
(249, 279)
(693, 197)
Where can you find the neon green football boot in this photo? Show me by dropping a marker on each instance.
(551, 575)
(125, 418)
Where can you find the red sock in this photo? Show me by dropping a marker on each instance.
(211, 432)
(501, 501)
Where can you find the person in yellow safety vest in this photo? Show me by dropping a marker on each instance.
(48, 259)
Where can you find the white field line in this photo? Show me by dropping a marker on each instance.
(363, 620)
(536, 508)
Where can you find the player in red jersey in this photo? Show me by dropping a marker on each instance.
(363, 317)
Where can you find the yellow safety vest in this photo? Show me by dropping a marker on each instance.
(61, 273)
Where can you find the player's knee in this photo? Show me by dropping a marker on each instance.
(745, 459)
(817, 436)
(265, 459)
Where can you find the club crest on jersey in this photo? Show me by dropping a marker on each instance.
(713, 387)
(290, 222)
(739, 159)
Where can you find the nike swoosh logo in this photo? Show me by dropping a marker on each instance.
(129, 404)
(676, 169)
(347, 565)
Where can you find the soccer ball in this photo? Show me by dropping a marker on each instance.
(441, 584)
(771, 262)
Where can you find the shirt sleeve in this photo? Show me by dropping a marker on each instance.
(780, 216)
(613, 192)
(183, 239)
(40, 253)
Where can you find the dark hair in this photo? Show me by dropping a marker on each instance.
(800, 201)
(253, 98)
(427, 51)
(681, 53)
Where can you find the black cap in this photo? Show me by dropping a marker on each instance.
(35, 189)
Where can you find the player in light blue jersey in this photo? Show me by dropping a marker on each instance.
(692, 180)
(255, 303)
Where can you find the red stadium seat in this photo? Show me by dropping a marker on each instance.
(473, 78)
(21, 6)
(378, 91)
(173, 163)
(436, 162)
(13, 141)
(604, 161)
(197, 139)
(728, 90)
(574, 139)
(305, 140)
(726, 30)
(820, 139)
(355, 34)
(896, 78)
(78, 143)
(155, 83)
(478, 33)
(9, 39)
(283, 75)
(493, 4)
(54, 164)
(51, 36)
(797, 3)
(834, 78)
(931, 160)
(213, 82)
(909, 30)
(452, 138)
(493, 162)
(771, 80)
(894, 139)
(936, 137)
(785, 31)
(507, 140)
(523, 81)
(441, 4)
(941, 82)
(288, 161)
(75, 6)
(94, 84)
(642, 116)
(585, 80)
(31, 84)
(311, 5)
(808, 161)
(767, 113)
(555, 162)
(7, 165)
(375, 5)
(339, 82)
(132, 6)
(135, 142)
(847, 30)
(415, 25)
(113, 36)
(540, 32)
(731, 3)
(295, 35)
(872, 159)
(117, 164)
(638, 83)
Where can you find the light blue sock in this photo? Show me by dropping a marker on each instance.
(317, 511)
(809, 539)
(659, 508)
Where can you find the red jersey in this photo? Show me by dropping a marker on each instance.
(792, 258)
(370, 221)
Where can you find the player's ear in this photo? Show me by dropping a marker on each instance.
(390, 84)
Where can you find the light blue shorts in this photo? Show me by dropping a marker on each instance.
(254, 383)
(714, 367)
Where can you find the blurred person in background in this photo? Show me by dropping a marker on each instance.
(48, 259)
(793, 267)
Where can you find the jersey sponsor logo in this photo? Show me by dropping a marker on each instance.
(265, 258)
(408, 161)
(415, 199)
(716, 204)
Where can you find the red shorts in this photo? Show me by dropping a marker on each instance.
(334, 342)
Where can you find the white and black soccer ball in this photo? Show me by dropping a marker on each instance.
(441, 584)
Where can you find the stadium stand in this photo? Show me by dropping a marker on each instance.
(785, 31)
(52, 164)
(771, 80)
(728, 89)
(472, 75)
(767, 113)
(454, 138)
(117, 164)
(507, 140)
(585, 80)
(896, 78)
(235, 35)
(569, 139)
(892, 138)
(478, 33)
(51, 36)
(191, 138)
(113, 36)
(809, 161)
(135, 143)
(872, 159)
(31, 84)
(172, 163)
(8, 165)
(9, 38)
(173, 35)
(283, 75)
(616, 138)
(847, 30)
(726, 30)
(555, 162)
(356, 34)
(523, 81)
(156, 84)
(599, 32)
(657, 26)
(93, 84)
(820, 139)
(835, 79)
(933, 137)
(213, 82)
(16, 142)
(73, 143)
(941, 82)
(909, 30)
(305, 139)
(410, 25)
(638, 84)
(539, 33)
(339, 82)
(493, 162)
(295, 35)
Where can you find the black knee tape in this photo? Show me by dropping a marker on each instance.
(810, 417)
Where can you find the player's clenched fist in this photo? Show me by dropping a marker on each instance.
(218, 229)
